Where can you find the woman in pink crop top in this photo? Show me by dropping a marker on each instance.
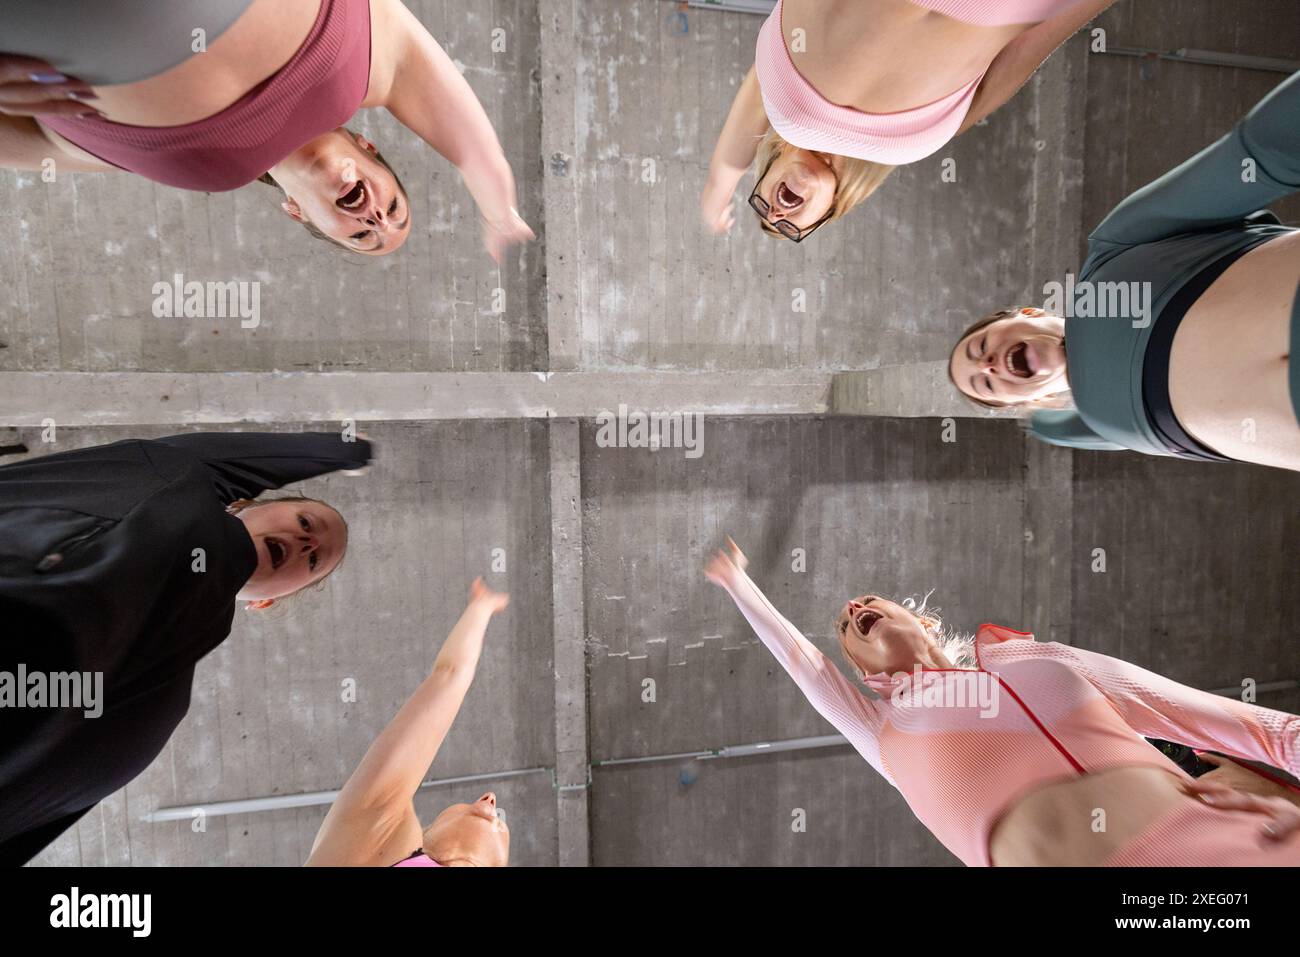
(842, 91)
(1013, 752)
(373, 823)
(268, 100)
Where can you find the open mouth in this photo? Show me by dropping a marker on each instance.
(865, 619)
(786, 198)
(277, 550)
(1018, 363)
(354, 198)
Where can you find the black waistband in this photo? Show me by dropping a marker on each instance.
(1155, 362)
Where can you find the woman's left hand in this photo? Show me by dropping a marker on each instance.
(1280, 819)
(499, 235)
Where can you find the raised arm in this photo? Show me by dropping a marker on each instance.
(245, 464)
(1256, 163)
(1025, 54)
(373, 819)
(737, 143)
(836, 699)
(1157, 707)
(428, 95)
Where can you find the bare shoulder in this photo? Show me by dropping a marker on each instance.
(374, 838)
(392, 27)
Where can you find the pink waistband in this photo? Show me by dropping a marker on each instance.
(319, 89)
(805, 118)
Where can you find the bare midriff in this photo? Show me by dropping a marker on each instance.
(884, 56)
(1230, 359)
(1081, 821)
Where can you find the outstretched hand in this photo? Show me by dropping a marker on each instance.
(727, 566)
(500, 235)
(717, 211)
(493, 601)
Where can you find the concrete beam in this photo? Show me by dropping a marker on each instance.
(190, 398)
(1048, 556)
(917, 389)
(214, 398)
(560, 185)
(572, 758)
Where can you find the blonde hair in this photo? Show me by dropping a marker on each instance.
(857, 178)
(957, 646)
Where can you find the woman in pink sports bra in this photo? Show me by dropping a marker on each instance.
(372, 823)
(1014, 752)
(842, 91)
(268, 100)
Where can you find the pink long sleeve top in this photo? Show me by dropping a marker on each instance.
(962, 758)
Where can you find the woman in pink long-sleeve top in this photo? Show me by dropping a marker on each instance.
(1033, 753)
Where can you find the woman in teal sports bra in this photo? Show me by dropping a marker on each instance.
(1179, 329)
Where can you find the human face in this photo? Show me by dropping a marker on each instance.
(878, 636)
(798, 188)
(1013, 360)
(336, 183)
(469, 835)
(298, 544)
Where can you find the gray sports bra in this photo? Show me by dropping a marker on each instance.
(113, 41)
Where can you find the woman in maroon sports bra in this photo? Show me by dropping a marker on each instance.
(267, 101)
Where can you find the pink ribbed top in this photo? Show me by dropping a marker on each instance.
(805, 118)
(1059, 712)
(997, 13)
(319, 89)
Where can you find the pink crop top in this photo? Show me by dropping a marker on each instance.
(997, 13)
(1057, 712)
(805, 118)
(318, 90)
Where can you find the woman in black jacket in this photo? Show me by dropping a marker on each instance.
(126, 560)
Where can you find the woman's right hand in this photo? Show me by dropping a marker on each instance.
(726, 567)
(717, 211)
(31, 87)
(493, 601)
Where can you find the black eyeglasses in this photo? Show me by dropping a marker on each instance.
(783, 226)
